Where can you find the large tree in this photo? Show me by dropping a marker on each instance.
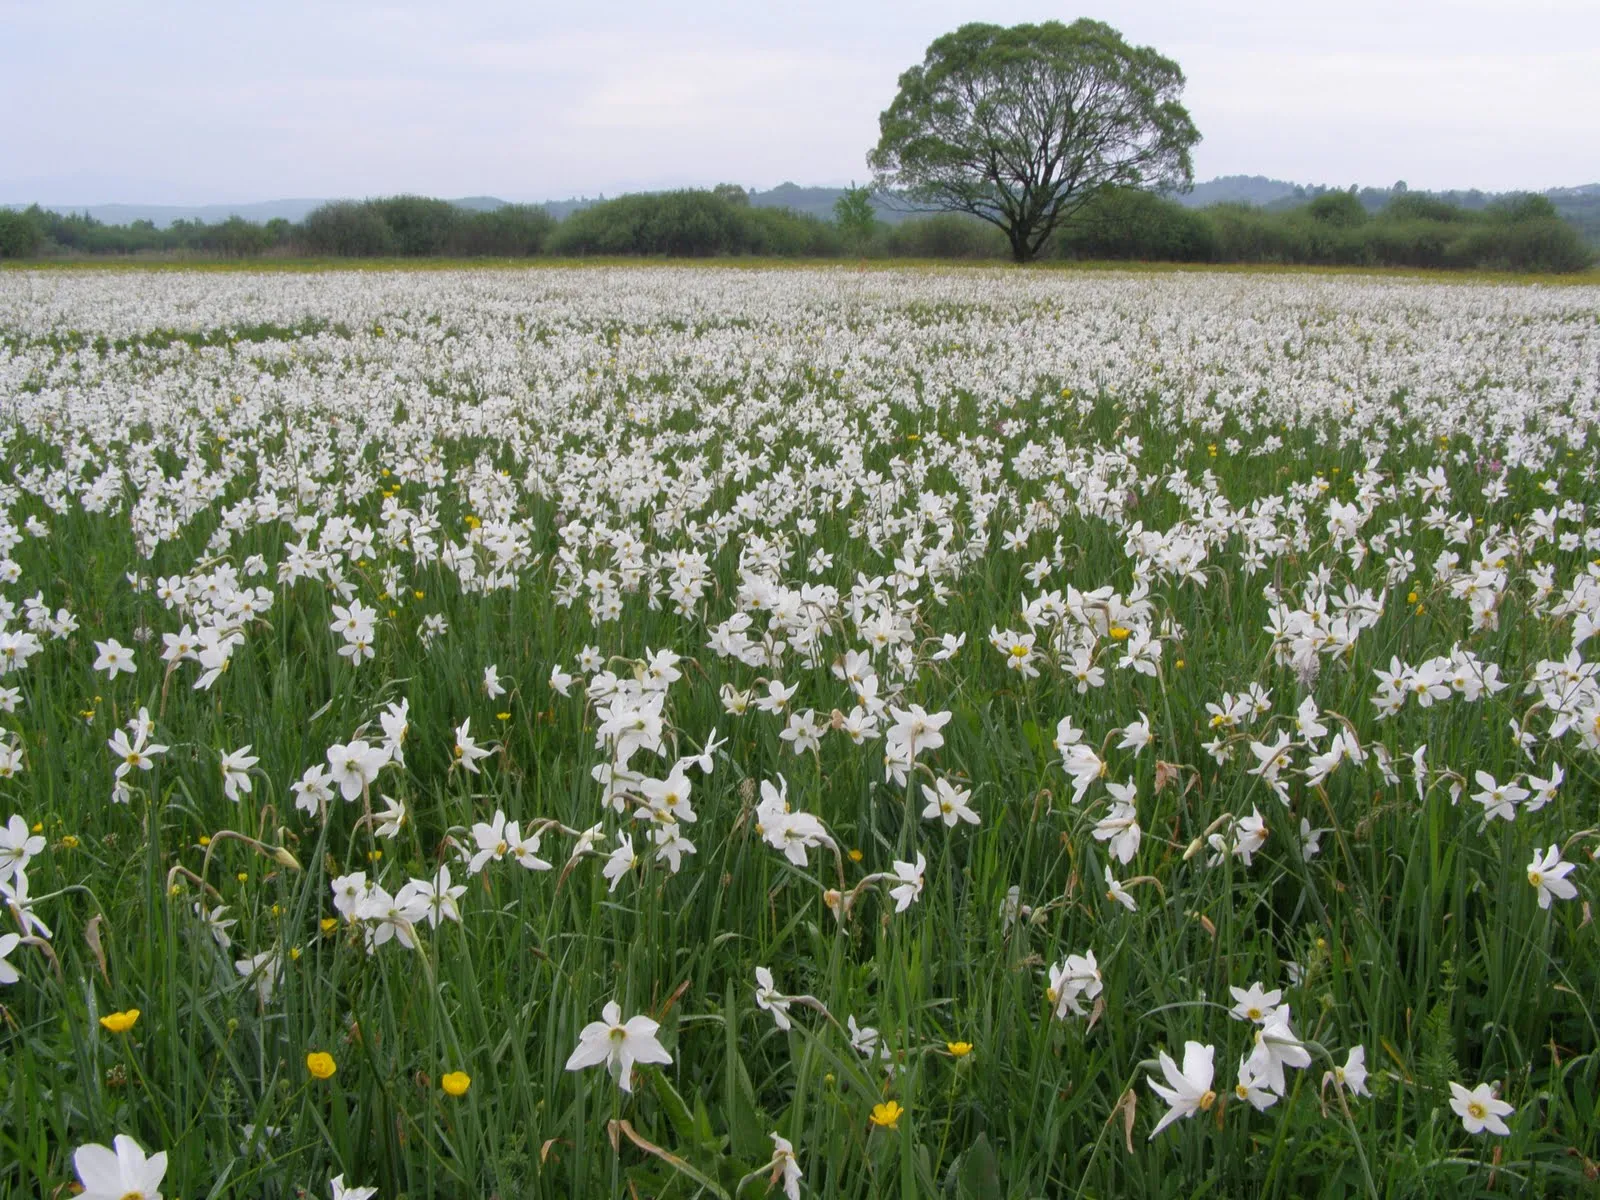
(1022, 126)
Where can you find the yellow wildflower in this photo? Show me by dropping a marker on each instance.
(320, 1063)
(120, 1022)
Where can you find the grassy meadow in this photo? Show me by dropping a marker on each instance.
(972, 716)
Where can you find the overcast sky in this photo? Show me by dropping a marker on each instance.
(232, 101)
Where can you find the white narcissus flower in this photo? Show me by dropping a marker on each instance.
(668, 799)
(1078, 975)
(1136, 736)
(1084, 766)
(1252, 1088)
(915, 730)
(1254, 1003)
(1548, 874)
(1498, 799)
(216, 923)
(1479, 1109)
(124, 1173)
(436, 897)
(1187, 1091)
(560, 681)
(391, 818)
(785, 1167)
(355, 765)
(114, 657)
(396, 721)
(8, 943)
(1120, 826)
(236, 766)
(467, 751)
(492, 687)
(348, 893)
(908, 885)
(770, 999)
(343, 1192)
(1544, 790)
(492, 842)
(948, 803)
(263, 971)
(618, 1044)
(1118, 894)
(621, 860)
(17, 846)
(1353, 1075)
(131, 754)
(1277, 1047)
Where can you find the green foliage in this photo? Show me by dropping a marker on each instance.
(854, 215)
(1523, 206)
(1410, 231)
(346, 229)
(1418, 206)
(1330, 228)
(943, 235)
(1340, 209)
(1022, 126)
(1126, 223)
(19, 234)
(418, 226)
(690, 224)
(514, 231)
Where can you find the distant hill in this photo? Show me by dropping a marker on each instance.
(1235, 189)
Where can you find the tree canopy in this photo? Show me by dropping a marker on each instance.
(1022, 126)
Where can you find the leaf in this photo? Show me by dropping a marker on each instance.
(744, 1125)
(91, 935)
(673, 1105)
(1128, 1105)
(979, 1177)
(613, 1128)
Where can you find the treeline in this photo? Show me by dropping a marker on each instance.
(1521, 233)
(1516, 233)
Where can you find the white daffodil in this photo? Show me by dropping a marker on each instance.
(618, 1044)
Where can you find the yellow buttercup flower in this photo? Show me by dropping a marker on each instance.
(1119, 633)
(456, 1083)
(120, 1022)
(329, 924)
(959, 1049)
(887, 1115)
(320, 1063)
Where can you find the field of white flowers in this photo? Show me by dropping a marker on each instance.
(692, 732)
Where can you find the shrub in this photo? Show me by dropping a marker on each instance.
(345, 228)
(514, 231)
(418, 227)
(20, 236)
(1127, 223)
(945, 235)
